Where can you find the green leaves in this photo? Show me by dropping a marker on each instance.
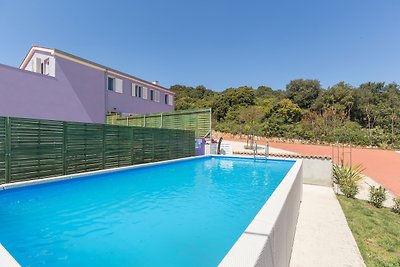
(396, 205)
(347, 177)
(232, 98)
(377, 195)
(303, 92)
(367, 115)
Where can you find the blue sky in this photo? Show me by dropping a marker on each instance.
(217, 43)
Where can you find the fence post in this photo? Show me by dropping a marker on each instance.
(161, 123)
(131, 144)
(154, 140)
(196, 119)
(104, 147)
(8, 150)
(64, 148)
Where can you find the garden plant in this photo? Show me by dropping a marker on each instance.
(377, 195)
(396, 205)
(346, 178)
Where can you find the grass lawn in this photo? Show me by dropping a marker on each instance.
(377, 232)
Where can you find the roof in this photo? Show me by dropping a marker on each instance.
(284, 155)
(59, 53)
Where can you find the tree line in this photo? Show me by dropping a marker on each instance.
(367, 115)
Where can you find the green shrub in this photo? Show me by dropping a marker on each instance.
(396, 205)
(346, 178)
(349, 189)
(377, 195)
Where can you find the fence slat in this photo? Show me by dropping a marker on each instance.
(3, 152)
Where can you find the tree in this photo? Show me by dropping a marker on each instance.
(303, 92)
(192, 98)
(288, 111)
(184, 103)
(369, 104)
(251, 117)
(392, 108)
(340, 98)
(232, 98)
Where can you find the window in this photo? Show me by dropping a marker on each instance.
(114, 84)
(110, 83)
(133, 89)
(144, 92)
(37, 65)
(166, 99)
(152, 95)
(42, 65)
(170, 100)
(138, 91)
(46, 66)
(157, 98)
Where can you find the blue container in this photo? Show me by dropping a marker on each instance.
(200, 144)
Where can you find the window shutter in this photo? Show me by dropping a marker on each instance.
(157, 96)
(144, 92)
(133, 89)
(38, 65)
(170, 100)
(118, 86)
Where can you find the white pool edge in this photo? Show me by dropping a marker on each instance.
(268, 240)
(6, 259)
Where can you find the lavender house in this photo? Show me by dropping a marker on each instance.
(52, 84)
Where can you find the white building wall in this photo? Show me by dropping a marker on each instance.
(39, 57)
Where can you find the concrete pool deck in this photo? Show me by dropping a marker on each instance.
(323, 237)
(239, 146)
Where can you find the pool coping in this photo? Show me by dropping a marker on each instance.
(258, 226)
(268, 239)
(6, 259)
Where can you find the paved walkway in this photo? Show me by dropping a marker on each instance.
(239, 146)
(323, 237)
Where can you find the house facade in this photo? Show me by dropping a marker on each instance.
(52, 84)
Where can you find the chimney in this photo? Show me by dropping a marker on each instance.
(155, 82)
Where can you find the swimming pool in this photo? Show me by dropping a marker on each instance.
(184, 213)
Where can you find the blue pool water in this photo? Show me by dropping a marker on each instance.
(187, 213)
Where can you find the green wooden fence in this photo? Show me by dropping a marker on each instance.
(33, 149)
(198, 120)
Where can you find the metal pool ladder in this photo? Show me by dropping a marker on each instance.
(266, 151)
